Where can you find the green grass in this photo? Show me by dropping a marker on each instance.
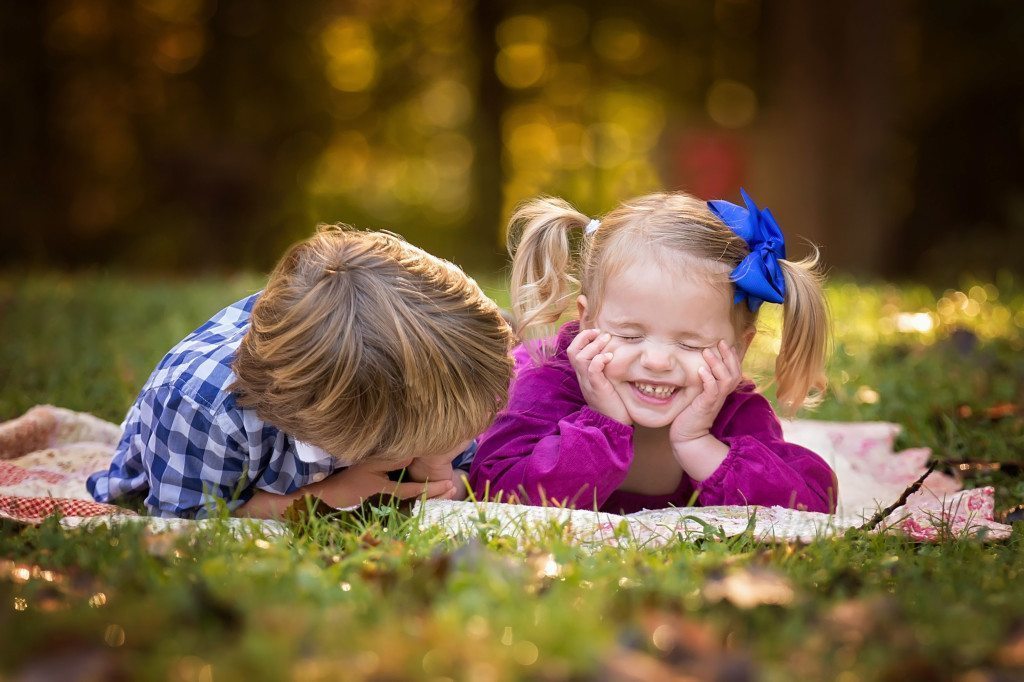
(376, 598)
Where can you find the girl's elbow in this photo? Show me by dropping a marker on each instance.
(820, 499)
(828, 485)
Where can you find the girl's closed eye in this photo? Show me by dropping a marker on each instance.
(692, 348)
(628, 338)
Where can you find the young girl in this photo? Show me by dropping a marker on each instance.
(641, 404)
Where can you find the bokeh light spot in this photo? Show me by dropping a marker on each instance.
(179, 51)
(525, 653)
(731, 104)
(114, 635)
(446, 104)
(607, 145)
(523, 28)
(618, 40)
(351, 58)
(522, 65)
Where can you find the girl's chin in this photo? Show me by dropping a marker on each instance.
(652, 420)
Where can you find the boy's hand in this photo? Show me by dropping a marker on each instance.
(588, 359)
(430, 469)
(346, 488)
(354, 484)
(719, 378)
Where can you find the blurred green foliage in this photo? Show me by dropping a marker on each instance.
(935, 363)
(380, 598)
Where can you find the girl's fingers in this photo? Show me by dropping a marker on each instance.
(731, 357)
(708, 383)
(582, 340)
(718, 368)
(592, 349)
(595, 371)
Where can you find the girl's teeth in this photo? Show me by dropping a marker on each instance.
(656, 391)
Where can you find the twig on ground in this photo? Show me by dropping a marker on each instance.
(911, 489)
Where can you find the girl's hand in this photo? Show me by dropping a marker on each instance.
(719, 378)
(586, 353)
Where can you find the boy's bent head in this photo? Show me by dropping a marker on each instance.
(367, 346)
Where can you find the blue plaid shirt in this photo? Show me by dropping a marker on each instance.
(186, 443)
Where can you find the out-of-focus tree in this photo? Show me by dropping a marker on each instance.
(963, 197)
(189, 133)
(401, 79)
(183, 134)
(164, 133)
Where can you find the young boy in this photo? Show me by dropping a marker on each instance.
(363, 354)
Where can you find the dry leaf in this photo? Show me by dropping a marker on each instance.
(748, 588)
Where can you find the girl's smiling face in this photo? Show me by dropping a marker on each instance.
(660, 319)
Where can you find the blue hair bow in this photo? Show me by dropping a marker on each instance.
(758, 277)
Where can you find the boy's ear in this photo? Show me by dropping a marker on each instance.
(581, 308)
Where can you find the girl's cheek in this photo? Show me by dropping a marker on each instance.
(690, 363)
(619, 364)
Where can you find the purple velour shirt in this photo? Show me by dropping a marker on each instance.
(548, 444)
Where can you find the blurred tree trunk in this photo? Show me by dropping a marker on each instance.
(28, 197)
(488, 178)
(825, 145)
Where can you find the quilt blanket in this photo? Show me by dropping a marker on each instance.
(47, 454)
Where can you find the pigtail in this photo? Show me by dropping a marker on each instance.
(543, 282)
(800, 367)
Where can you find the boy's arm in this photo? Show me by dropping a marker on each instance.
(548, 445)
(194, 458)
(191, 457)
(346, 488)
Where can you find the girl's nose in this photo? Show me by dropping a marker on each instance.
(656, 358)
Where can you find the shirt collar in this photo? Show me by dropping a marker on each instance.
(310, 453)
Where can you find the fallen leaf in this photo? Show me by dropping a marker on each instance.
(1000, 411)
(73, 665)
(680, 637)
(160, 544)
(854, 620)
(1011, 654)
(307, 507)
(749, 588)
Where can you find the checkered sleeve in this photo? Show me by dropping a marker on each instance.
(192, 456)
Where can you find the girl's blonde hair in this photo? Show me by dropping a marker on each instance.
(551, 264)
(367, 346)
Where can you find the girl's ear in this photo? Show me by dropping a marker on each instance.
(581, 308)
(745, 340)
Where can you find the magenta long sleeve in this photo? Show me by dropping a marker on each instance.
(536, 453)
(548, 445)
(762, 468)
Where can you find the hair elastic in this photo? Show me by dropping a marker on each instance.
(592, 226)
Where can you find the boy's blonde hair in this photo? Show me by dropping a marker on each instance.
(367, 346)
(546, 274)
